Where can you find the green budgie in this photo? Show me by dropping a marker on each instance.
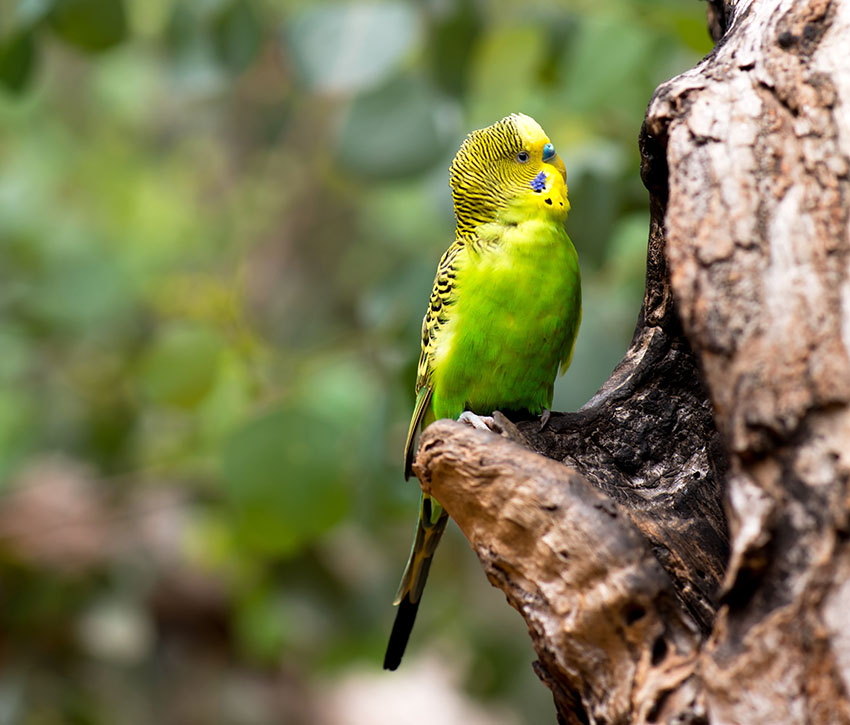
(503, 314)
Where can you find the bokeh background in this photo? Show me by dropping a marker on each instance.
(219, 224)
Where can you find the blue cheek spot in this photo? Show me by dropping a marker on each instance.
(548, 151)
(538, 183)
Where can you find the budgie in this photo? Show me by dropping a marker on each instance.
(503, 314)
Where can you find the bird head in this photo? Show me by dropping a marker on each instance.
(507, 172)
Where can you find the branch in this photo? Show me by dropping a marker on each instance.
(611, 636)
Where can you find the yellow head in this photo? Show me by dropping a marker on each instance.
(505, 171)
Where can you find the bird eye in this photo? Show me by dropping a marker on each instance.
(522, 156)
(548, 151)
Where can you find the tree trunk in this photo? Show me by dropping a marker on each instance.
(681, 549)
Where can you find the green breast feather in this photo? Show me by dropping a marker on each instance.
(511, 322)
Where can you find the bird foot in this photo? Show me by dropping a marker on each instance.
(479, 422)
(544, 419)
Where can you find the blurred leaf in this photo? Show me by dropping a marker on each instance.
(236, 35)
(627, 255)
(338, 389)
(693, 31)
(229, 399)
(17, 60)
(282, 475)
(349, 47)
(606, 68)
(261, 625)
(90, 25)
(29, 12)
(394, 131)
(81, 288)
(182, 31)
(127, 84)
(195, 57)
(453, 36)
(504, 71)
(182, 366)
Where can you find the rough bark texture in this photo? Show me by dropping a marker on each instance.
(732, 403)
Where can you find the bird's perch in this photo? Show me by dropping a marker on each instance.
(608, 530)
(604, 617)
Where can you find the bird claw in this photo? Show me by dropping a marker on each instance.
(544, 419)
(479, 422)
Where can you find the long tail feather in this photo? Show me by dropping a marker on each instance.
(402, 626)
(429, 528)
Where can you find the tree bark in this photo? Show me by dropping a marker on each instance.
(680, 546)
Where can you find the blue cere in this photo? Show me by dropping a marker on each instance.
(548, 151)
(538, 183)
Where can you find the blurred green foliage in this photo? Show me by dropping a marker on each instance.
(219, 223)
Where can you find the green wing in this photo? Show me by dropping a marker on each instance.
(442, 298)
(432, 519)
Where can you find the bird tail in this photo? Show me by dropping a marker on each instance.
(429, 528)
